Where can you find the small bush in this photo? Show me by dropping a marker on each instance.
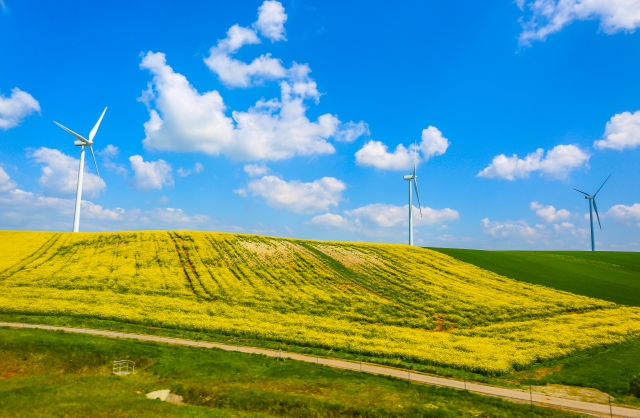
(635, 386)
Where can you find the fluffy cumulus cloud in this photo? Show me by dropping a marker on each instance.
(271, 18)
(6, 183)
(332, 220)
(185, 120)
(625, 214)
(545, 17)
(390, 215)
(621, 132)
(557, 163)
(509, 229)
(15, 108)
(150, 175)
(235, 73)
(297, 196)
(60, 174)
(550, 213)
(383, 220)
(181, 119)
(350, 131)
(376, 154)
(256, 170)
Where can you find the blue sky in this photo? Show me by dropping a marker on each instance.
(299, 118)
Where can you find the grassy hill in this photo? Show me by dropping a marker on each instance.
(378, 301)
(612, 276)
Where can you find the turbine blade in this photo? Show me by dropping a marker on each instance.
(414, 159)
(95, 128)
(94, 160)
(415, 186)
(597, 216)
(586, 194)
(79, 137)
(601, 186)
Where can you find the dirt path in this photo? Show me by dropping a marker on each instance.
(510, 394)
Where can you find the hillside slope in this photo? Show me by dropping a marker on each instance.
(612, 276)
(379, 300)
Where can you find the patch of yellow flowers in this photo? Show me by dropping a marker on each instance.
(379, 300)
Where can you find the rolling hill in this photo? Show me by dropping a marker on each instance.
(389, 301)
(612, 276)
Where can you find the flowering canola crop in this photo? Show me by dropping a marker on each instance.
(379, 300)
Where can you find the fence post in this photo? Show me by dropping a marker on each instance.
(465, 383)
(610, 408)
(531, 395)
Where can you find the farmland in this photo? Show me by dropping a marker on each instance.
(379, 301)
(612, 276)
(44, 374)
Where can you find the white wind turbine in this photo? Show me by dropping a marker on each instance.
(413, 180)
(82, 142)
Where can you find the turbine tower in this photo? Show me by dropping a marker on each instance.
(592, 200)
(413, 180)
(82, 142)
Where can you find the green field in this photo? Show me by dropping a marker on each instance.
(612, 276)
(49, 374)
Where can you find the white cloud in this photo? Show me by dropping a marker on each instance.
(563, 226)
(622, 131)
(197, 168)
(382, 215)
(383, 222)
(557, 163)
(332, 220)
(6, 183)
(549, 213)
(60, 174)
(625, 214)
(350, 131)
(509, 229)
(297, 196)
(271, 18)
(108, 154)
(255, 170)
(376, 154)
(150, 174)
(171, 216)
(185, 120)
(15, 108)
(26, 210)
(433, 143)
(551, 16)
(235, 73)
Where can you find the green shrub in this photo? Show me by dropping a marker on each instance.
(635, 386)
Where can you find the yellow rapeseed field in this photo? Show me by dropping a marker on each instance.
(380, 300)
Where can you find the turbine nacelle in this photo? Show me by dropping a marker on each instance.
(82, 143)
(410, 177)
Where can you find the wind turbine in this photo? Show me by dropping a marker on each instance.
(82, 142)
(592, 199)
(413, 180)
